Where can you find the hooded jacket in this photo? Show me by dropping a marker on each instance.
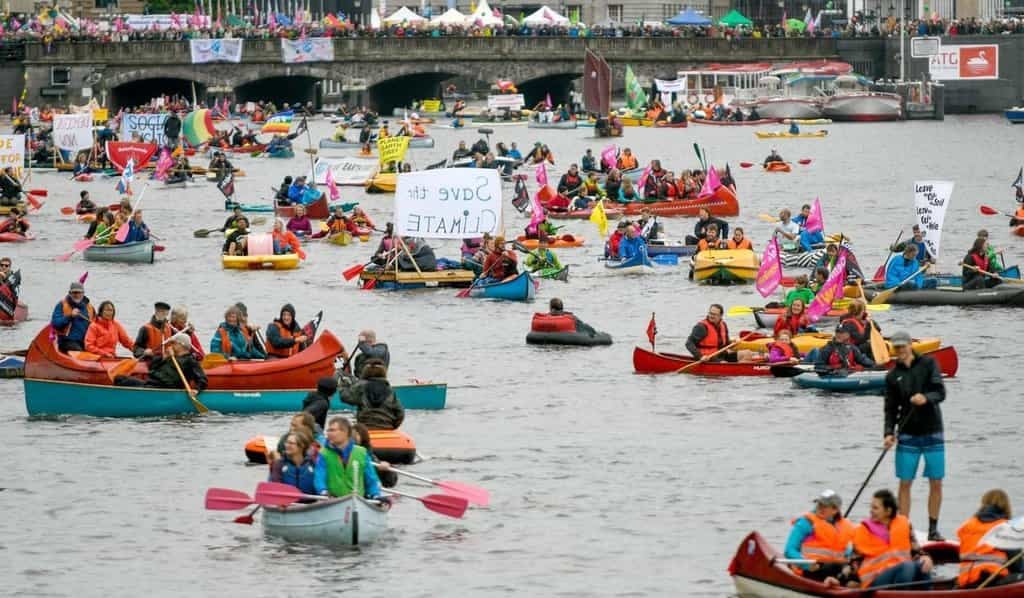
(280, 337)
(376, 405)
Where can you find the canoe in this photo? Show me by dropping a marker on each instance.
(787, 134)
(610, 213)
(807, 341)
(414, 143)
(318, 210)
(765, 317)
(868, 381)
(722, 203)
(382, 183)
(736, 123)
(392, 281)
(563, 241)
(242, 150)
(141, 252)
(14, 238)
(778, 167)
(646, 361)
(519, 288)
(725, 266)
(756, 574)
(1006, 294)
(348, 521)
(562, 124)
(393, 446)
(941, 279)
(670, 248)
(638, 264)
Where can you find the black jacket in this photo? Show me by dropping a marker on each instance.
(163, 374)
(923, 376)
(377, 408)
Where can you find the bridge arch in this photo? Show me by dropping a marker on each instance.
(136, 92)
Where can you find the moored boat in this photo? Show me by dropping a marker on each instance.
(518, 288)
(638, 264)
(141, 252)
(347, 521)
(725, 266)
(863, 106)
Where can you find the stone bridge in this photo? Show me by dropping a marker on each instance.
(393, 70)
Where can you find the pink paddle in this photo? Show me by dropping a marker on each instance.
(225, 499)
(473, 494)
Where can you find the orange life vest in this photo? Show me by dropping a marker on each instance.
(287, 351)
(1020, 213)
(716, 337)
(225, 339)
(703, 245)
(978, 560)
(879, 555)
(744, 244)
(155, 337)
(829, 541)
(66, 310)
(627, 162)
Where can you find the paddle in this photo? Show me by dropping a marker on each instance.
(879, 350)
(989, 211)
(476, 282)
(122, 368)
(225, 499)
(354, 271)
(188, 390)
(767, 218)
(991, 275)
(84, 356)
(704, 359)
(82, 245)
(871, 473)
(202, 233)
(122, 231)
(247, 518)
(473, 494)
(883, 296)
(67, 210)
(279, 495)
(449, 506)
(802, 162)
(880, 273)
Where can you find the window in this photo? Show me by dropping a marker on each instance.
(574, 11)
(670, 10)
(615, 12)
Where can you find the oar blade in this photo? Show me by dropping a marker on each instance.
(226, 499)
(473, 494)
(64, 257)
(82, 244)
(122, 233)
(746, 164)
(804, 161)
(449, 506)
(370, 284)
(122, 368)
(740, 310)
(988, 211)
(353, 271)
(272, 494)
(67, 210)
(201, 233)
(212, 360)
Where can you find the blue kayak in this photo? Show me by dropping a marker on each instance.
(284, 152)
(638, 264)
(854, 382)
(520, 288)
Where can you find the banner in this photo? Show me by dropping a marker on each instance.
(72, 132)
(510, 101)
(675, 85)
(636, 99)
(769, 275)
(392, 149)
(815, 223)
(12, 153)
(831, 291)
(311, 49)
(449, 203)
(100, 116)
(430, 105)
(954, 63)
(164, 22)
(931, 198)
(216, 50)
(352, 172)
(150, 127)
(279, 123)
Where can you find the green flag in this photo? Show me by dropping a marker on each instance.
(636, 99)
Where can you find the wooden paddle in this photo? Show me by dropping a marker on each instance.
(991, 275)
(706, 358)
(473, 494)
(188, 389)
(879, 350)
(84, 356)
(212, 360)
(122, 368)
(883, 296)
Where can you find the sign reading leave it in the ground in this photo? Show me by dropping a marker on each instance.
(452, 203)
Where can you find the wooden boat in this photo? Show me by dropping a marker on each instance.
(756, 574)
(318, 210)
(788, 135)
(735, 123)
(722, 203)
(646, 361)
(519, 288)
(287, 261)
(725, 266)
(414, 143)
(382, 183)
(561, 124)
(393, 446)
(563, 241)
(638, 264)
(348, 521)
(778, 167)
(141, 252)
(610, 213)
(863, 381)
(391, 280)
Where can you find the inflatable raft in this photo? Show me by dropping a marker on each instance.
(393, 446)
(1006, 294)
(547, 329)
(261, 256)
(853, 382)
(725, 266)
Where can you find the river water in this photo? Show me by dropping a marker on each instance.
(603, 482)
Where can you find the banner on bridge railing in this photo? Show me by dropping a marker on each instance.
(215, 50)
(311, 49)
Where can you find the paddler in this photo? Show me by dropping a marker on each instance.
(994, 255)
(711, 335)
(318, 402)
(296, 466)
(284, 336)
(632, 244)
(71, 318)
(557, 308)
(794, 319)
(787, 231)
(10, 187)
(571, 182)
(232, 220)
(368, 348)
(923, 254)
(339, 132)
(782, 349)
(542, 258)
(627, 160)
(831, 257)
(772, 157)
(233, 339)
(15, 223)
(179, 324)
(979, 560)
(461, 152)
(236, 241)
(615, 239)
(711, 240)
(822, 536)
(887, 546)
(589, 162)
(902, 268)
(220, 165)
(384, 131)
(375, 403)
(975, 263)
(739, 240)
(285, 241)
(857, 321)
(501, 263)
(794, 129)
(85, 205)
(839, 356)
(164, 374)
(149, 341)
(343, 467)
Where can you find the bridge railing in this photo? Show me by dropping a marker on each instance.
(637, 49)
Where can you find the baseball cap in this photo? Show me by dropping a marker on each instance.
(900, 339)
(829, 498)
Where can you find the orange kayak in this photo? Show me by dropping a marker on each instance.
(393, 446)
(778, 167)
(563, 241)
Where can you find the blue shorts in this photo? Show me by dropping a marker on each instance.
(910, 450)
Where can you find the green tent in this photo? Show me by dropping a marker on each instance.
(735, 19)
(795, 24)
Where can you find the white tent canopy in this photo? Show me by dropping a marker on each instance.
(484, 14)
(450, 17)
(374, 19)
(545, 16)
(404, 15)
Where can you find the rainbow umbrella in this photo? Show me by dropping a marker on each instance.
(198, 127)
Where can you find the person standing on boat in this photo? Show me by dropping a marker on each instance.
(889, 552)
(71, 318)
(711, 335)
(164, 374)
(822, 536)
(376, 405)
(913, 422)
(344, 468)
(149, 342)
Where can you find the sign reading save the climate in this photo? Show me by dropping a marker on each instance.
(450, 203)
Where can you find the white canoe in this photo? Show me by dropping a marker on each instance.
(347, 521)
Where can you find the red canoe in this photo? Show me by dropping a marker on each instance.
(755, 573)
(243, 149)
(318, 210)
(722, 203)
(652, 362)
(298, 372)
(14, 238)
(20, 315)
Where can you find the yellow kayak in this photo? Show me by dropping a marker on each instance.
(725, 266)
(382, 183)
(288, 261)
(784, 134)
(633, 121)
(816, 340)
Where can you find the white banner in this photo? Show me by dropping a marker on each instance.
(12, 153)
(347, 171)
(164, 22)
(511, 101)
(931, 198)
(216, 50)
(954, 63)
(675, 85)
(150, 127)
(449, 203)
(73, 132)
(311, 49)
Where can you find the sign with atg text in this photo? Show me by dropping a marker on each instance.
(450, 203)
(954, 63)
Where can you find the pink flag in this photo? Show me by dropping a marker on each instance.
(769, 276)
(711, 183)
(163, 165)
(814, 222)
(536, 213)
(272, 22)
(608, 156)
(332, 186)
(542, 175)
(643, 179)
(831, 291)
(547, 100)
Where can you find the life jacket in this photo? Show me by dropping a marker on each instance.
(859, 324)
(828, 542)
(1019, 213)
(703, 245)
(794, 323)
(591, 187)
(282, 352)
(980, 262)
(788, 350)
(66, 307)
(978, 560)
(744, 244)
(336, 225)
(155, 337)
(225, 339)
(343, 478)
(880, 555)
(564, 322)
(572, 181)
(840, 359)
(715, 339)
(627, 162)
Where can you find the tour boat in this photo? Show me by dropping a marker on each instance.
(854, 101)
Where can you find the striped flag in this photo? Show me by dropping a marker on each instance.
(279, 123)
(124, 185)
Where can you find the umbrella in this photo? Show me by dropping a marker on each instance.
(689, 17)
(795, 24)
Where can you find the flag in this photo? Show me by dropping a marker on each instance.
(814, 223)
(711, 183)
(769, 275)
(636, 99)
(652, 331)
(1019, 182)
(521, 197)
(809, 20)
(547, 100)
(598, 217)
(279, 123)
(608, 156)
(332, 186)
(227, 186)
(831, 291)
(643, 179)
(163, 165)
(542, 175)
(392, 149)
(124, 184)
(817, 21)
(536, 213)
